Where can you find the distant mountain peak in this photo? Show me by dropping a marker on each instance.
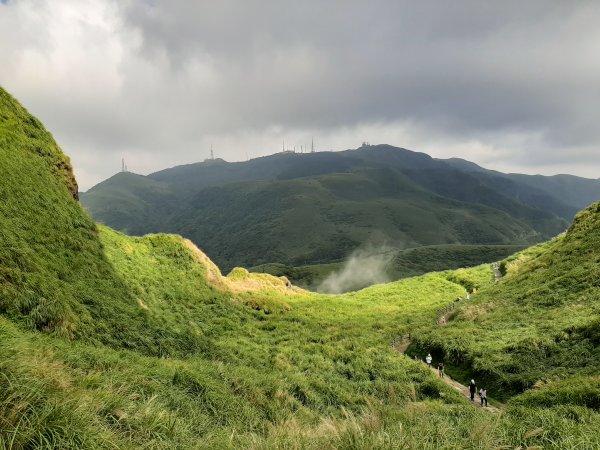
(214, 162)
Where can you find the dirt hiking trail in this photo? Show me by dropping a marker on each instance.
(464, 390)
(401, 345)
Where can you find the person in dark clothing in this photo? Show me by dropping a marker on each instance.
(472, 390)
(441, 369)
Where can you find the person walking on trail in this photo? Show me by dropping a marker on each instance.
(483, 396)
(441, 369)
(428, 359)
(472, 390)
(468, 296)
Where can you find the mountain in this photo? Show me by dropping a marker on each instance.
(132, 203)
(567, 193)
(111, 341)
(568, 189)
(269, 209)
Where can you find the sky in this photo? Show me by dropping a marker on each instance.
(511, 85)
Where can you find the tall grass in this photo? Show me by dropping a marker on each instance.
(539, 324)
(108, 341)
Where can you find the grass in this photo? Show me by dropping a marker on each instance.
(539, 323)
(109, 341)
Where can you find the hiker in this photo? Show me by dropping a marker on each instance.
(472, 390)
(428, 359)
(443, 321)
(441, 369)
(468, 296)
(483, 396)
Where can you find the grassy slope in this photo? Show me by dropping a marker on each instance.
(51, 261)
(140, 344)
(538, 324)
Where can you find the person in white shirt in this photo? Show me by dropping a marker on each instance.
(483, 396)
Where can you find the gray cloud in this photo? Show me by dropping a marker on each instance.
(511, 85)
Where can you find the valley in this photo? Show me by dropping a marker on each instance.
(116, 341)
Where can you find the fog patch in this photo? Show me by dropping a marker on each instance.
(363, 268)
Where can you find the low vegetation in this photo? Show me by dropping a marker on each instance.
(109, 341)
(539, 324)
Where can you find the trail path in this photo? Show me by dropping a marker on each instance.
(464, 390)
(402, 343)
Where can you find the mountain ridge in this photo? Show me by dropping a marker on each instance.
(196, 199)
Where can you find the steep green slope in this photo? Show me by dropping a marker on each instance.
(334, 192)
(51, 261)
(540, 322)
(526, 204)
(55, 273)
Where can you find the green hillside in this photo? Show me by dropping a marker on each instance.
(322, 219)
(109, 341)
(540, 323)
(375, 195)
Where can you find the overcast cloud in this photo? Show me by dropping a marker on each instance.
(510, 85)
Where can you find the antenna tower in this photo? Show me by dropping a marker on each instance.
(212, 154)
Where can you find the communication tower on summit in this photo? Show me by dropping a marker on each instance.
(312, 145)
(123, 166)
(212, 154)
